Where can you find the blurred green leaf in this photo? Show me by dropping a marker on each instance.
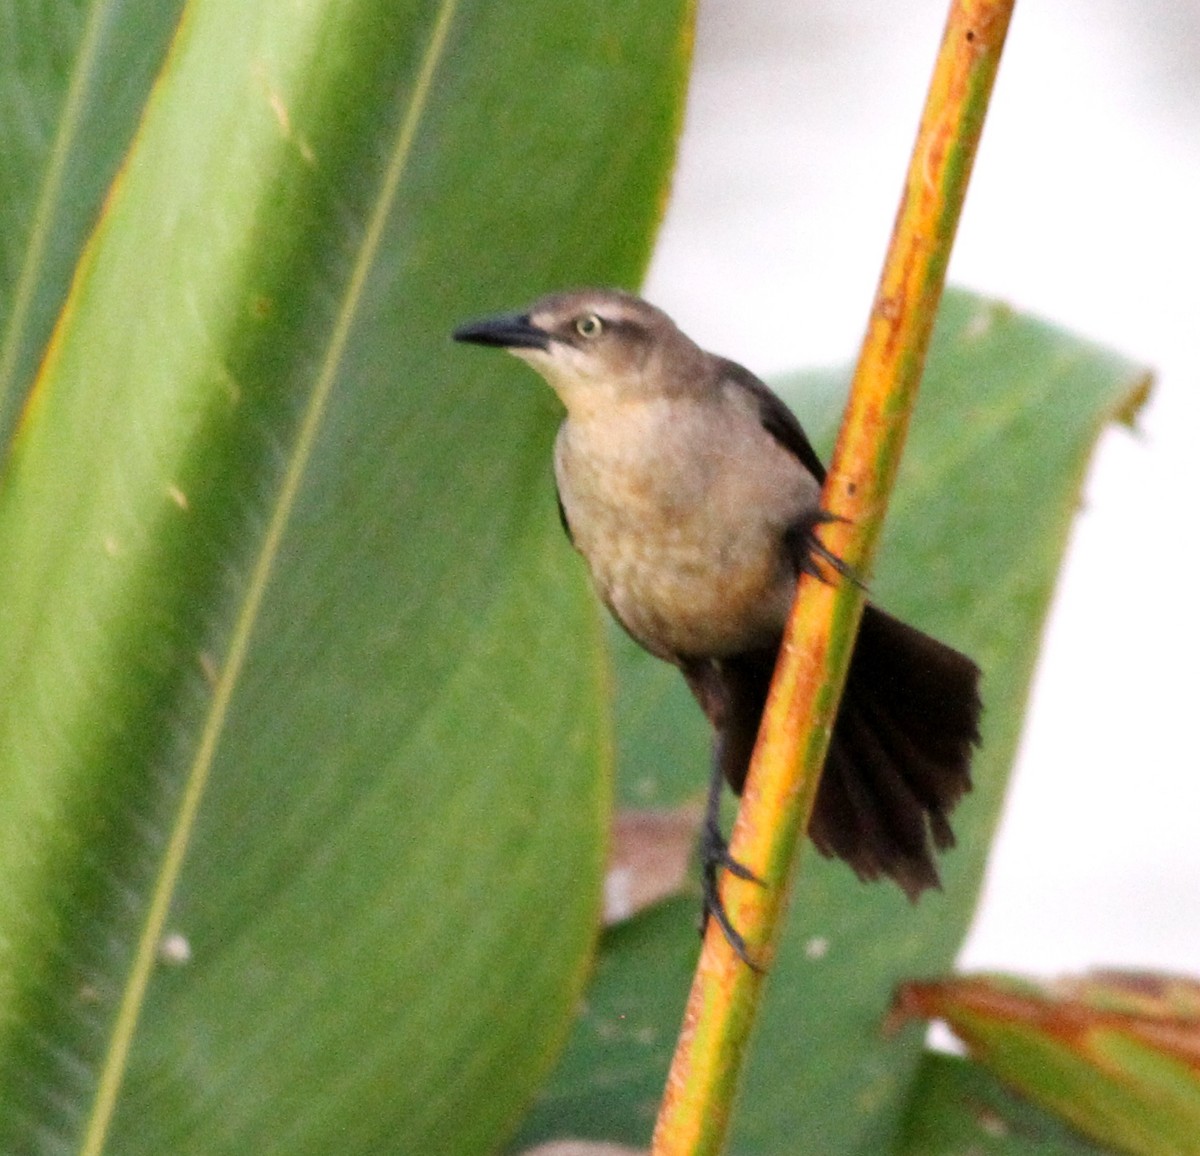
(1117, 1054)
(277, 556)
(959, 1108)
(1009, 411)
(73, 80)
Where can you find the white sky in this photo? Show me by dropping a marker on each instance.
(1083, 209)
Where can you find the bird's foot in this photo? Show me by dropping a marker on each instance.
(814, 552)
(714, 854)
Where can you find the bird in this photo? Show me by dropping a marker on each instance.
(693, 495)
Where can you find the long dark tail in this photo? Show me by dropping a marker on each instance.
(900, 755)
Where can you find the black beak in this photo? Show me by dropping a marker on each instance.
(508, 331)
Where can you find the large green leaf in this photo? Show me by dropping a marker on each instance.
(283, 603)
(1008, 415)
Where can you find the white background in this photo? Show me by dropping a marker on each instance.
(1084, 209)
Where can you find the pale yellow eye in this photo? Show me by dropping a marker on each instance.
(589, 326)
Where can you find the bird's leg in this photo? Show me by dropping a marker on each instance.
(705, 681)
(714, 853)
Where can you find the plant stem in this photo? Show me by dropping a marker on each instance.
(816, 649)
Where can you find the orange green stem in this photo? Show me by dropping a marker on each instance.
(816, 649)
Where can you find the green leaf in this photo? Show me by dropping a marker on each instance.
(957, 1107)
(1009, 412)
(1117, 1054)
(73, 79)
(297, 672)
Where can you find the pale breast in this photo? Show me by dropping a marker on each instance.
(680, 511)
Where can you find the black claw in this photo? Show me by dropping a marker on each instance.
(714, 854)
(716, 909)
(814, 551)
(810, 556)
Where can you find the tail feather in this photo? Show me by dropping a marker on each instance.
(888, 834)
(882, 812)
(899, 757)
(907, 724)
(929, 687)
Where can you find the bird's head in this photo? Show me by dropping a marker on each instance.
(595, 347)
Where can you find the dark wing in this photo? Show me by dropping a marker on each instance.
(777, 419)
(562, 517)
